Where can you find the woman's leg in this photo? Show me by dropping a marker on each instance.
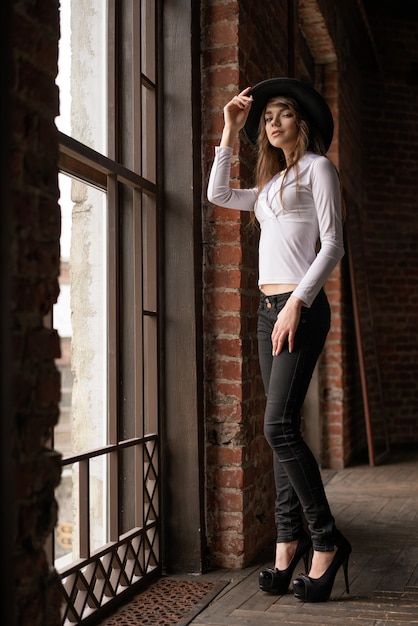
(288, 512)
(288, 377)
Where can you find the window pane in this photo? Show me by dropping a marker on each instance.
(80, 316)
(82, 72)
(129, 361)
(98, 502)
(127, 136)
(72, 522)
(63, 534)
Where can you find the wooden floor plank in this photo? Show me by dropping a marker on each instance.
(401, 571)
(377, 508)
(374, 570)
(413, 581)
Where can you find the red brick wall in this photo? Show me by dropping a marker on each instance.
(238, 464)
(239, 42)
(344, 431)
(332, 366)
(372, 88)
(34, 271)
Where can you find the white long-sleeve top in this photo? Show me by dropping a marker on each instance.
(291, 223)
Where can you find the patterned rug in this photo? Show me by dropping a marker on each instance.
(168, 602)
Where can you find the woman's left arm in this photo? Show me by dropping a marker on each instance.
(326, 193)
(327, 197)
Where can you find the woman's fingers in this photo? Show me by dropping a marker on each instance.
(291, 340)
(242, 99)
(278, 341)
(286, 326)
(236, 116)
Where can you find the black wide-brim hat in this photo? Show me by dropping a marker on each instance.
(314, 105)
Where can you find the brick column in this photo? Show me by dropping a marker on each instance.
(239, 477)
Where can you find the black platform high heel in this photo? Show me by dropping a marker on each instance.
(277, 581)
(319, 589)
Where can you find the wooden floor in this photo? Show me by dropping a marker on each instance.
(377, 509)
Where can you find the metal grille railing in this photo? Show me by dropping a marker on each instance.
(130, 561)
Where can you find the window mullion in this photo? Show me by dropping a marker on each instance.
(136, 81)
(112, 377)
(111, 80)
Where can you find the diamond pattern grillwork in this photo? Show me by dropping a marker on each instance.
(92, 583)
(150, 482)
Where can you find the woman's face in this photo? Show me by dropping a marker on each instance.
(281, 127)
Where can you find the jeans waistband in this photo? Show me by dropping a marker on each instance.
(266, 302)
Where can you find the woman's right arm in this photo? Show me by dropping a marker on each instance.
(219, 190)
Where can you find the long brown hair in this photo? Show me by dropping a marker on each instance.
(272, 160)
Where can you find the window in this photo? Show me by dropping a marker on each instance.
(107, 314)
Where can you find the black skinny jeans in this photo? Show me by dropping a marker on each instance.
(286, 379)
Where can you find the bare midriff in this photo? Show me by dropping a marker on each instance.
(271, 290)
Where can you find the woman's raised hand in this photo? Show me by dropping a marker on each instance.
(235, 115)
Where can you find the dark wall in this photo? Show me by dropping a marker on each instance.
(390, 212)
(33, 267)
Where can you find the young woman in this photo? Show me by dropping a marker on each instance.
(297, 203)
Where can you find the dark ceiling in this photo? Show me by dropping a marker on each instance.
(404, 9)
